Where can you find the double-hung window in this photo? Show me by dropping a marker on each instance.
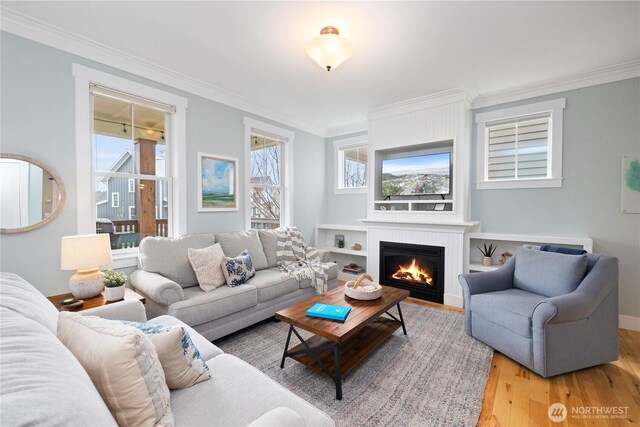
(350, 165)
(266, 187)
(520, 147)
(130, 153)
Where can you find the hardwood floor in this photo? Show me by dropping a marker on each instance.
(516, 396)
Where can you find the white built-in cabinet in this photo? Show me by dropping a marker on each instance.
(509, 243)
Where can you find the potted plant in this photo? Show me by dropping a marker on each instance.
(487, 253)
(114, 285)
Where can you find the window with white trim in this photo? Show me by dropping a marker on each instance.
(115, 200)
(132, 186)
(520, 147)
(350, 165)
(266, 184)
(132, 212)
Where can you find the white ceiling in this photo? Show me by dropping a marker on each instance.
(402, 50)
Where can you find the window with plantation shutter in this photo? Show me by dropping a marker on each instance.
(520, 147)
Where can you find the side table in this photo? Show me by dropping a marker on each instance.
(93, 302)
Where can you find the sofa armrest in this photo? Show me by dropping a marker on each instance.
(324, 255)
(581, 303)
(490, 281)
(157, 287)
(131, 310)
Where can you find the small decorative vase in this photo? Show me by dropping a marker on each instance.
(114, 294)
(487, 260)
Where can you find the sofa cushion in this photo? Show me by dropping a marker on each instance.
(206, 349)
(511, 308)
(200, 307)
(123, 365)
(548, 273)
(239, 269)
(272, 284)
(269, 240)
(169, 256)
(39, 374)
(281, 417)
(238, 395)
(179, 357)
(20, 296)
(236, 242)
(207, 263)
(332, 273)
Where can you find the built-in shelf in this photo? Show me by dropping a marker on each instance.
(400, 206)
(325, 240)
(344, 251)
(510, 242)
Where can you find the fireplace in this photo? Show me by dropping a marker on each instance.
(416, 268)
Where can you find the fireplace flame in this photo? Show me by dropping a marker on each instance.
(413, 273)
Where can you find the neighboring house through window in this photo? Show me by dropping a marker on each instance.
(269, 153)
(131, 144)
(520, 147)
(350, 165)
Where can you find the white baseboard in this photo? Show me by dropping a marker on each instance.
(453, 300)
(629, 322)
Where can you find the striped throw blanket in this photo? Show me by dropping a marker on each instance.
(299, 261)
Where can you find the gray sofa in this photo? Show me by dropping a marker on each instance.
(43, 384)
(168, 282)
(525, 311)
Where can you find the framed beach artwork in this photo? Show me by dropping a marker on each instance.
(630, 194)
(217, 183)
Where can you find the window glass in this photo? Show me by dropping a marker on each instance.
(265, 185)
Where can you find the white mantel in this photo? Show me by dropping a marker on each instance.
(450, 236)
(440, 117)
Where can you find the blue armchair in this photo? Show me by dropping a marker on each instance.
(550, 312)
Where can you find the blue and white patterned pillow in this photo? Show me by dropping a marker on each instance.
(239, 269)
(180, 359)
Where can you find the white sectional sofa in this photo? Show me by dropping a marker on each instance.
(168, 282)
(43, 384)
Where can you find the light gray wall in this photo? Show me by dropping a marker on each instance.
(342, 208)
(38, 120)
(601, 123)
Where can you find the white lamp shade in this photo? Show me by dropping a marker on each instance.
(85, 251)
(329, 50)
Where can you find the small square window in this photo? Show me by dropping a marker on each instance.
(350, 165)
(520, 147)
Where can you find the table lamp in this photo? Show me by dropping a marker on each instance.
(86, 254)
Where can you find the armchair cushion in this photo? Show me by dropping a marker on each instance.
(548, 273)
(511, 308)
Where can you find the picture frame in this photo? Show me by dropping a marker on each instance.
(217, 183)
(439, 207)
(630, 185)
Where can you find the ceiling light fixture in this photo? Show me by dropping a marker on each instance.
(329, 49)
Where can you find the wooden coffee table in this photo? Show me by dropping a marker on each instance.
(337, 347)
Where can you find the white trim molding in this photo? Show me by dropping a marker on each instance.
(554, 165)
(338, 159)
(176, 132)
(348, 129)
(593, 77)
(287, 137)
(50, 35)
(421, 103)
(629, 322)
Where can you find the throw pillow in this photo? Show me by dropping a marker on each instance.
(239, 269)
(548, 273)
(207, 264)
(123, 365)
(180, 359)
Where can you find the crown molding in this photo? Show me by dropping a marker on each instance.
(450, 96)
(49, 35)
(593, 77)
(347, 129)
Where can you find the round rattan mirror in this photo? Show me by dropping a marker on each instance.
(32, 194)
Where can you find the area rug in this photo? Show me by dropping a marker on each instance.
(435, 376)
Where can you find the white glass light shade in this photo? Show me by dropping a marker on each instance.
(329, 49)
(85, 251)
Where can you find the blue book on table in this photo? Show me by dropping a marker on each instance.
(328, 311)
